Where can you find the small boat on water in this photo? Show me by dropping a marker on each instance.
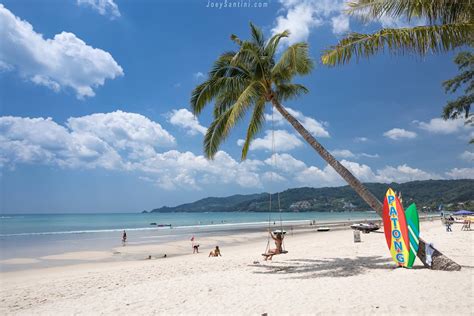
(323, 229)
(365, 227)
(160, 225)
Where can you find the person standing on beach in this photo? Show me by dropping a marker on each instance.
(124, 237)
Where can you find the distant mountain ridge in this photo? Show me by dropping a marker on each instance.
(429, 194)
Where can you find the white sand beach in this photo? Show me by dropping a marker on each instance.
(323, 273)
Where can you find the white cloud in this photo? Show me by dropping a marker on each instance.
(394, 22)
(199, 75)
(342, 153)
(363, 172)
(314, 176)
(461, 173)
(399, 133)
(286, 163)
(369, 155)
(108, 140)
(271, 176)
(104, 7)
(133, 143)
(467, 156)
(317, 129)
(118, 141)
(340, 24)
(361, 139)
(403, 173)
(185, 119)
(42, 141)
(63, 61)
(283, 141)
(173, 169)
(440, 126)
(301, 16)
(345, 153)
(292, 168)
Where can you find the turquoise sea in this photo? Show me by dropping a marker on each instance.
(31, 236)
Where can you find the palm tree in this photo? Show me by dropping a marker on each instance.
(461, 106)
(449, 25)
(250, 78)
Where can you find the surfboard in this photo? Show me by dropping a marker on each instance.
(413, 222)
(395, 229)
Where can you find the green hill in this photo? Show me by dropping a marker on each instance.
(428, 195)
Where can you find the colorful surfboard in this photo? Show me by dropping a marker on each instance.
(413, 222)
(395, 228)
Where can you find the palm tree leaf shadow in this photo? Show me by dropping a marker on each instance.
(327, 267)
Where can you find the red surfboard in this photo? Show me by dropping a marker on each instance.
(395, 229)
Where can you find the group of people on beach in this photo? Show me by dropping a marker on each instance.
(216, 252)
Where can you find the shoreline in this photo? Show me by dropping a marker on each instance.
(179, 246)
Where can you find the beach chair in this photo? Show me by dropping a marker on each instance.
(466, 225)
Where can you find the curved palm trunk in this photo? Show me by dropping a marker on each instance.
(439, 261)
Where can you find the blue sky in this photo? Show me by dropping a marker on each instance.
(94, 99)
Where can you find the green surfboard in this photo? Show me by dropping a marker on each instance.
(413, 225)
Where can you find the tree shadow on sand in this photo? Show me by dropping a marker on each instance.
(328, 267)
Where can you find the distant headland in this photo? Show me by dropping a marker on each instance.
(428, 195)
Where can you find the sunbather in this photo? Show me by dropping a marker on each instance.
(215, 253)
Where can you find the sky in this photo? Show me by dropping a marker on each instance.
(95, 115)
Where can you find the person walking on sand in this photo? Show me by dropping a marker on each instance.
(124, 237)
(449, 222)
(215, 253)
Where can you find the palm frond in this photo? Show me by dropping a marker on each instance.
(221, 126)
(294, 61)
(419, 40)
(465, 61)
(459, 107)
(235, 39)
(216, 134)
(452, 85)
(255, 125)
(272, 44)
(441, 11)
(251, 93)
(217, 81)
(287, 91)
(257, 36)
(232, 88)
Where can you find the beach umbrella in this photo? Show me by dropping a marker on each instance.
(463, 212)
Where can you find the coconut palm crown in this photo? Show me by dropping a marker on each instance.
(449, 24)
(245, 80)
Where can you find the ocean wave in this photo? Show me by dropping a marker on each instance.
(182, 227)
(77, 232)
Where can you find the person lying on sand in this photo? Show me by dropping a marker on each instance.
(278, 238)
(215, 253)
